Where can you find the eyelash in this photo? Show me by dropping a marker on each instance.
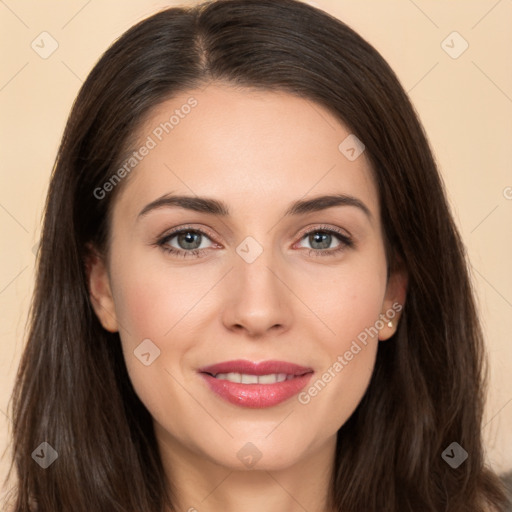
(346, 242)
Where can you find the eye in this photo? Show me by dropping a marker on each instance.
(321, 238)
(188, 242)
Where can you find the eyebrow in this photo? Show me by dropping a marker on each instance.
(219, 208)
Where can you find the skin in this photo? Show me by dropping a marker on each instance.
(258, 152)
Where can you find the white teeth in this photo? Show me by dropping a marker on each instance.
(254, 379)
(269, 379)
(249, 379)
(233, 377)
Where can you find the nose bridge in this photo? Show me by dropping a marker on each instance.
(255, 265)
(257, 299)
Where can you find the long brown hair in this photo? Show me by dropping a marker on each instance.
(427, 390)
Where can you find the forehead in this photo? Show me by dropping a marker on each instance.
(254, 149)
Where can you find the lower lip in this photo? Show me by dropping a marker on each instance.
(257, 396)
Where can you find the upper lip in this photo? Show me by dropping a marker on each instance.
(251, 368)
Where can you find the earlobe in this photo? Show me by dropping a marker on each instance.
(100, 293)
(393, 304)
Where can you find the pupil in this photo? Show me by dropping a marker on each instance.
(187, 243)
(322, 238)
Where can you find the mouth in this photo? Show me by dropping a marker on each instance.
(256, 385)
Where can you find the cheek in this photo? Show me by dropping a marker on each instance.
(151, 299)
(144, 312)
(350, 306)
(155, 303)
(146, 315)
(350, 298)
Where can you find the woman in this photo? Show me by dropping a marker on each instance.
(187, 351)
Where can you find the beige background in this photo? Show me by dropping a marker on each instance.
(465, 104)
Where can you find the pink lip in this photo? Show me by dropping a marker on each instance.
(256, 395)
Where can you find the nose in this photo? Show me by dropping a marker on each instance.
(258, 300)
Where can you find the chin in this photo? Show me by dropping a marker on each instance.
(259, 452)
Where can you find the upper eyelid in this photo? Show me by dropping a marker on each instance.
(177, 231)
(323, 227)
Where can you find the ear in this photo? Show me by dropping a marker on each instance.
(100, 292)
(394, 301)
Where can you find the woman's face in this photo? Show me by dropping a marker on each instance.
(267, 272)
